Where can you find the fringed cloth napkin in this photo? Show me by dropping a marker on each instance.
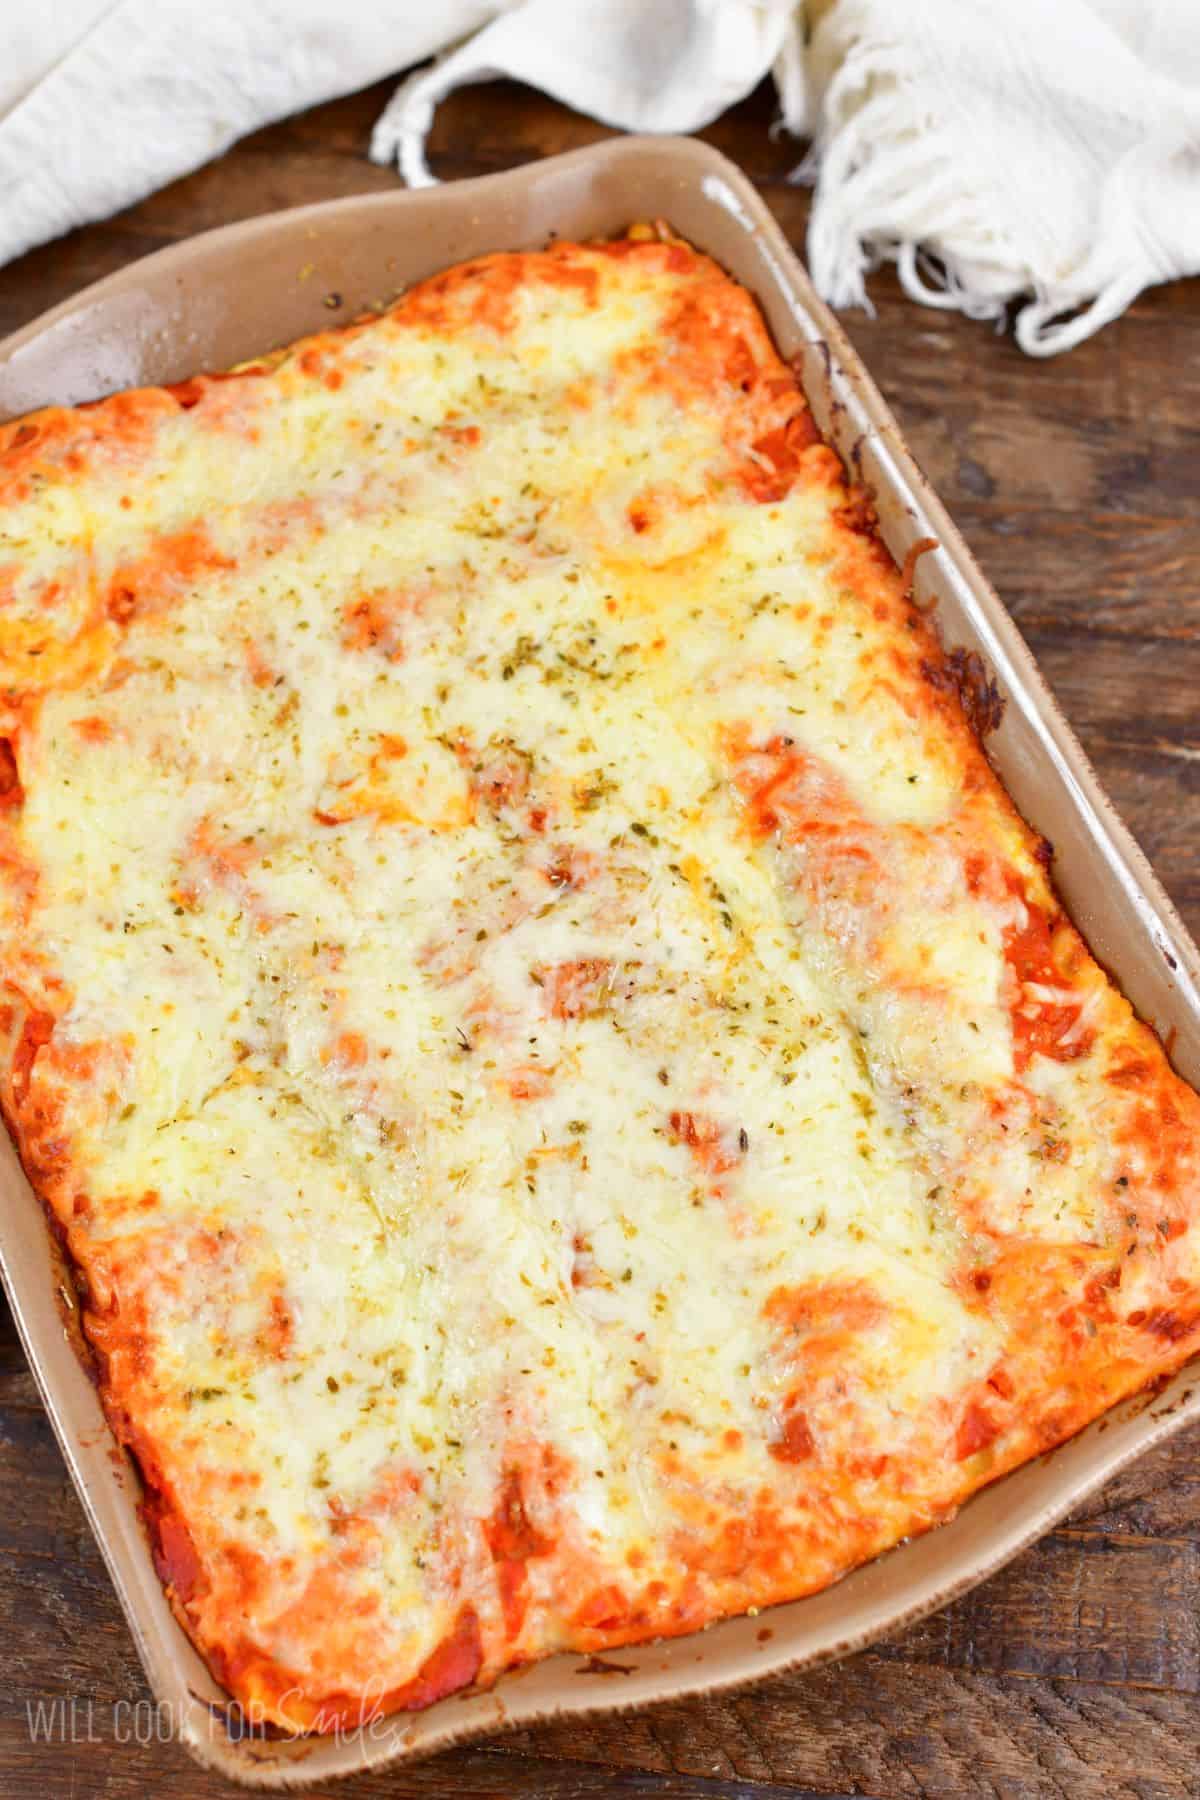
(1044, 151)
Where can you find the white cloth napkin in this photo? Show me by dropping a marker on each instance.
(995, 149)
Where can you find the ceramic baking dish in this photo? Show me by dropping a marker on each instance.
(232, 294)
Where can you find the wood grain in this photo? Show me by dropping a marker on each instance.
(1075, 1673)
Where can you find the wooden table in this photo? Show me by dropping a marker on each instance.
(1076, 1672)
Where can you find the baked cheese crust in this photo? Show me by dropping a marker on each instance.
(573, 1102)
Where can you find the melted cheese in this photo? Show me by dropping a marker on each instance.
(564, 1076)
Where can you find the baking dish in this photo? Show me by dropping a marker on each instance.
(236, 293)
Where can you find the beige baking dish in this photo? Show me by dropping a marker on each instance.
(235, 293)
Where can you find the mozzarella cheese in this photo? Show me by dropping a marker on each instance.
(572, 1100)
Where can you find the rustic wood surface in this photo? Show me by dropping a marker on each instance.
(1076, 1672)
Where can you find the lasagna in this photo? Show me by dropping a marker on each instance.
(572, 1102)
